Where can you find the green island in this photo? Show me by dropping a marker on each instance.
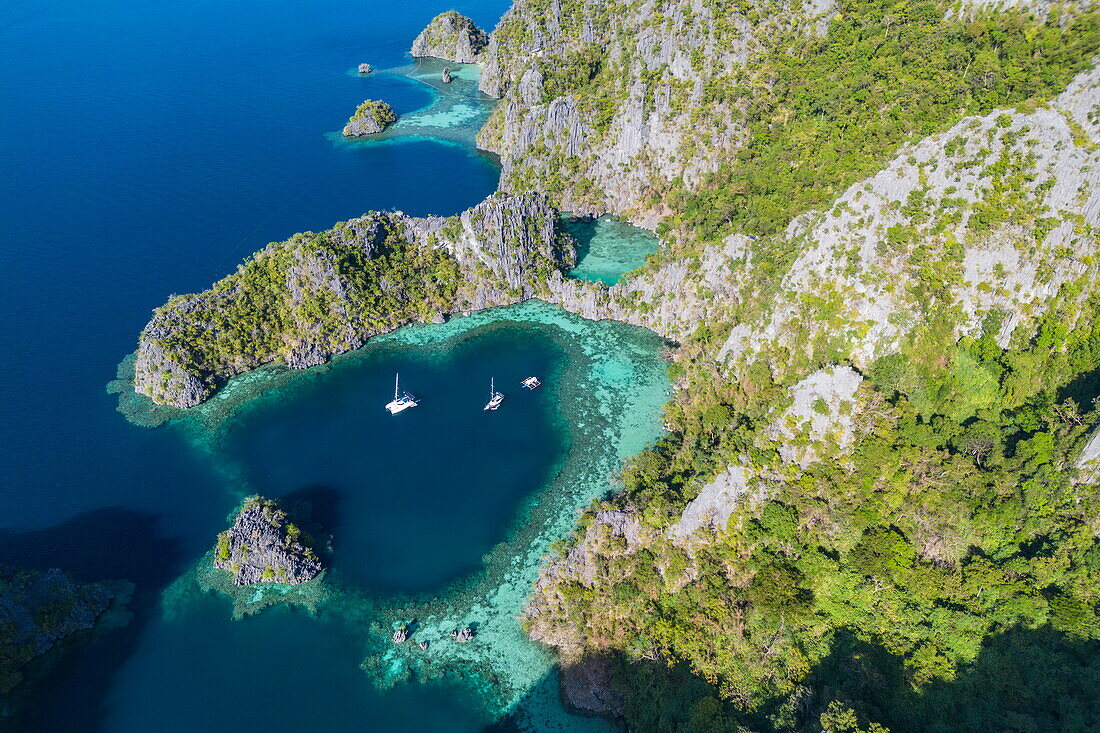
(371, 117)
(876, 505)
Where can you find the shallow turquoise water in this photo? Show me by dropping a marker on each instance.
(608, 248)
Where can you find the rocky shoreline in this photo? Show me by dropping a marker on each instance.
(264, 546)
(320, 294)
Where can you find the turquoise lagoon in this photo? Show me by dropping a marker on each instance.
(440, 515)
(608, 248)
(201, 137)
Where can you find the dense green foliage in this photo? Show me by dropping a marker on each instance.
(324, 288)
(376, 110)
(955, 520)
(824, 113)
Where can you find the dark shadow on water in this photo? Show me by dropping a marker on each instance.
(583, 230)
(106, 544)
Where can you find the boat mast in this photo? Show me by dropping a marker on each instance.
(396, 376)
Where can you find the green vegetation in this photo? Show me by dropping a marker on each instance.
(325, 290)
(825, 113)
(376, 111)
(954, 530)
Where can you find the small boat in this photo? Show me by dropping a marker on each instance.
(364, 68)
(495, 398)
(401, 400)
(531, 382)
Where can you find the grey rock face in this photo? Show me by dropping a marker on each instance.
(662, 112)
(506, 250)
(451, 36)
(370, 118)
(858, 252)
(716, 502)
(263, 546)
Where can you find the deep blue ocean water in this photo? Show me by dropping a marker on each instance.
(145, 149)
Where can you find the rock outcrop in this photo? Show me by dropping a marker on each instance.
(451, 36)
(264, 546)
(1007, 207)
(370, 118)
(319, 294)
(40, 610)
(623, 101)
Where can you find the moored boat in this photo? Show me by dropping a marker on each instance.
(495, 398)
(531, 382)
(401, 400)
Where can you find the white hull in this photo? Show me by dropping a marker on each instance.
(400, 405)
(494, 403)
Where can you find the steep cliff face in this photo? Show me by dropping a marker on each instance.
(987, 231)
(997, 218)
(264, 546)
(451, 37)
(319, 294)
(604, 105)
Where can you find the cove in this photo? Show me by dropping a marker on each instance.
(413, 499)
(608, 248)
(532, 467)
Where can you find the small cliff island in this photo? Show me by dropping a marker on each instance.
(371, 117)
(264, 546)
(451, 36)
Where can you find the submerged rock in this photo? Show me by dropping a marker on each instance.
(451, 36)
(371, 117)
(40, 611)
(464, 634)
(263, 546)
(401, 635)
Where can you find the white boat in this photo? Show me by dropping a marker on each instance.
(401, 400)
(531, 382)
(495, 398)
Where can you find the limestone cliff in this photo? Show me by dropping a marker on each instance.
(992, 224)
(264, 546)
(318, 294)
(451, 36)
(370, 118)
(996, 217)
(605, 105)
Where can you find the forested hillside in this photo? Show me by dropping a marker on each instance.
(884, 297)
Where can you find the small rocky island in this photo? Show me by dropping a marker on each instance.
(263, 546)
(371, 117)
(451, 36)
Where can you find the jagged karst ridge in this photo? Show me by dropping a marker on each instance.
(451, 36)
(264, 546)
(606, 104)
(318, 294)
